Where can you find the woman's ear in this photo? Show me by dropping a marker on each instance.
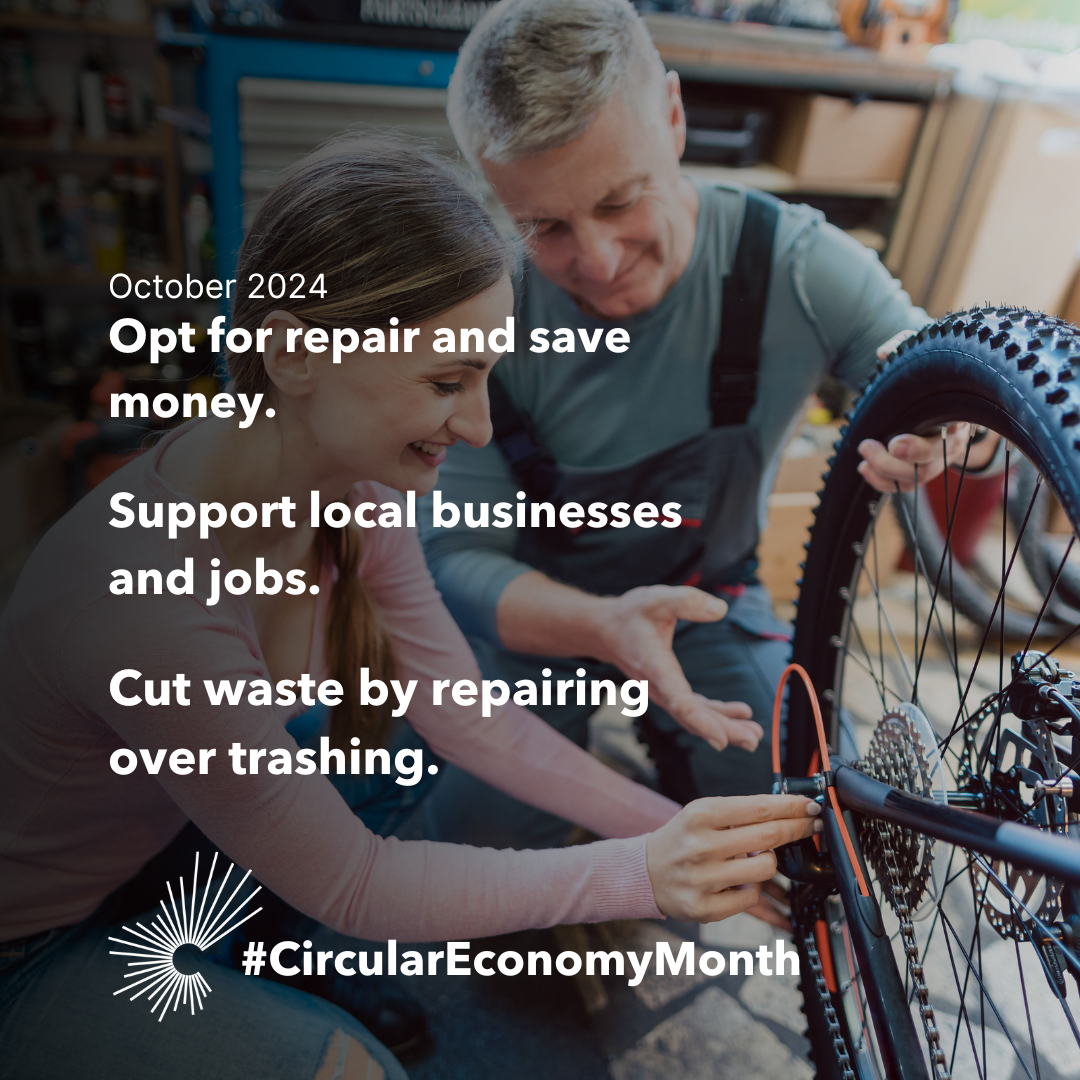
(286, 359)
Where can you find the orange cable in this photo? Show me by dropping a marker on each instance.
(824, 749)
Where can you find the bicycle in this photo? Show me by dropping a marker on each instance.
(938, 919)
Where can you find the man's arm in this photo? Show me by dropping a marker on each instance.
(494, 596)
(863, 313)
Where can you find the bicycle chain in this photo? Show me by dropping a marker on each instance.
(839, 1043)
(911, 949)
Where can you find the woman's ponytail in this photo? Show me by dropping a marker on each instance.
(355, 638)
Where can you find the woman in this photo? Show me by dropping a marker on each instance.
(398, 237)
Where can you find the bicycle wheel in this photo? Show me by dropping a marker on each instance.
(979, 950)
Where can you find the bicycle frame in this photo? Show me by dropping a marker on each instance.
(1054, 855)
(900, 1045)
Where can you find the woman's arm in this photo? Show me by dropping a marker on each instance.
(299, 838)
(295, 833)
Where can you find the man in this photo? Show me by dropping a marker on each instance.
(736, 307)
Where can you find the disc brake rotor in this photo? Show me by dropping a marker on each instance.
(1023, 759)
(903, 754)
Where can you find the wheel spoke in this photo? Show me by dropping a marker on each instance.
(943, 743)
(888, 624)
(1014, 899)
(863, 667)
(880, 687)
(947, 923)
(903, 655)
(952, 578)
(1027, 1011)
(877, 577)
(998, 602)
(946, 551)
(920, 567)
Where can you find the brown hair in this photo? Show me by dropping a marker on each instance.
(397, 230)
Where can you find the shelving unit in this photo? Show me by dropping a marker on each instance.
(750, 54)
(749, 59)
(155, 146)
(158, 143)
(746, 58)
(51, 24)
(778, 182)
(234, 57)
(67, 288)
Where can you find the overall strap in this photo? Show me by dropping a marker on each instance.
(733, 386)
(530, 461)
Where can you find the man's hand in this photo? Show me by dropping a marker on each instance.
(911, 460)
(908, 458)
(634, 632)
(705, 862)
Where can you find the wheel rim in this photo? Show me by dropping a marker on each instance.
(901, 642)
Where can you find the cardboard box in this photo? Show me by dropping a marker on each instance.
(999, 217)
(826, 139)
(31, 468)
(1070, 309)
(791, 513)
(780, 550)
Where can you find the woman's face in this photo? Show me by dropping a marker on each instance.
(391, 417)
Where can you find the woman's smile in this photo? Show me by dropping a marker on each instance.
(431, 454)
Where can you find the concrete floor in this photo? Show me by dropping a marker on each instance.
(674, 1027)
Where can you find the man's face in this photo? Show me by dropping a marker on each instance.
(608, 217)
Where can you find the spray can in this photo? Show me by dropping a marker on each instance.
(108, 231)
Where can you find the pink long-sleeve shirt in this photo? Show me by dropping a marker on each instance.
(72, 830)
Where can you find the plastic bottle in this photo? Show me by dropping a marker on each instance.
(22, 110)
(146, 201)
(108, 231)
(120, 183)
(198, 223)
(72, 208)
(92, 100)
(117, 98)
(46, 239)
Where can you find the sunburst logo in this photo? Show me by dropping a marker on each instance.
(154, 971)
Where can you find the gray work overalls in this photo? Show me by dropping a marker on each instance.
(716, 477)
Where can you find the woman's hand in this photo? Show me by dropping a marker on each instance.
(635, 632)
(705, 862)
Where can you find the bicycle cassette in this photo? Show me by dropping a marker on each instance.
(903, 753)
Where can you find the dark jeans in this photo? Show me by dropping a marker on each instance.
(59, 1016)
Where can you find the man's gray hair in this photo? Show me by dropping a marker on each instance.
(534, 73)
